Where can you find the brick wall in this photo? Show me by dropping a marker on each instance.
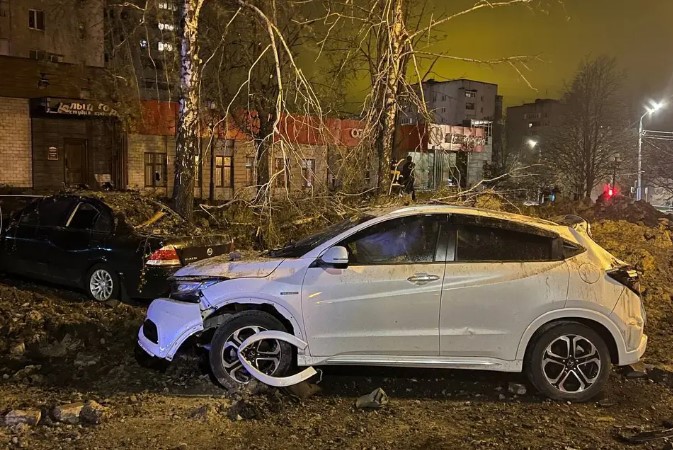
(15, 142)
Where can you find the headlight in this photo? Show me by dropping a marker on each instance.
(190, 290)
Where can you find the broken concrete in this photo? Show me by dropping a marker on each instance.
(20, 416)
(93, 412)
(68, 413)
(375, 400)
(516, 389)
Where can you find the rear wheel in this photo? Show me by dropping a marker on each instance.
(570, 362)
(272, 357)
(101, 283)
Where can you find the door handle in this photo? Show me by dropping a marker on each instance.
(421, 278)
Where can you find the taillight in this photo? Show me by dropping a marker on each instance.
(165, 256)
(628, 276)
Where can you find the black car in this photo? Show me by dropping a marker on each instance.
(80, 241)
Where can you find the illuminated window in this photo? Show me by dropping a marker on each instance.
(281, 168)
(250, 171)
(308, 172)
(165, 47)
(36, 19)
(143, 43)
(166, 26)
(155, 169)
(223, 173)
(169, 6)
(470, 94)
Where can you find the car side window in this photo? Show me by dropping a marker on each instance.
(84, 218)
(29, 216)
(54, 212)
(483, 243)
(406, 240)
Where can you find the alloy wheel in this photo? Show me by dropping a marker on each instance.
(264, 355)
(101, 285)
(571, 363)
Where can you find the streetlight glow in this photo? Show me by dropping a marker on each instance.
(654, 107)
(532, 143)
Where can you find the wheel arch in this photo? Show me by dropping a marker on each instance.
(596, 321)
(269, 306)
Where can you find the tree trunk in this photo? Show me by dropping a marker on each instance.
(394, 74)
(186, 146)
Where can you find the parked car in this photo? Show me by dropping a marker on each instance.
(425, 286)
(79, 241)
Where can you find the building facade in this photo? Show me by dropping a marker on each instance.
(64, 31)
(529, 122)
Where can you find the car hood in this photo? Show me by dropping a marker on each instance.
(221, 266)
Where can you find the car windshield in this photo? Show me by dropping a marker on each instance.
(300, 247)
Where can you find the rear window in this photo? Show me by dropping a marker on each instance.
(53, 212)
(479, 243)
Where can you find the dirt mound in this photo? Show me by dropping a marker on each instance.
(650, 249)
(623, 208)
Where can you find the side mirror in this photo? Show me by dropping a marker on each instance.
(336, 257)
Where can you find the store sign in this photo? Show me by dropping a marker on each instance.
(52, 154)
(79, 108)
(457, 138)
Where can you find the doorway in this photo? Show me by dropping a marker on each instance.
(75, 161)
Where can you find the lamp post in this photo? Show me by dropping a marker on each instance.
(616, 161)
(654, 107)
(532, 143)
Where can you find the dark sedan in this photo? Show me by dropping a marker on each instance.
(80, 241)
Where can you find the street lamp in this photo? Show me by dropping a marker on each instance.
(654, 107)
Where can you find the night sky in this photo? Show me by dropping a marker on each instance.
(638, 32)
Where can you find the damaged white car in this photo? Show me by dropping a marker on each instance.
(426, 286)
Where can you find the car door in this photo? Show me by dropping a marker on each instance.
(19, 246)
(82, 240)
(386, 302)
(54, 213)
(500, 276)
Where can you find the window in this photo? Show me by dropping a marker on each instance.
(308, 172)
(470, 93)
(434, 97)
(282, 172)
(469, 106)
(84, 217)
(444, 98)
(407, 240)
(54, 211)
(169, 6)
(223, 171)
(143, 43)
(250, 171)
(166, 26)
(198, 169)
(155, 169)
(36, 19)
(443, 110)
(481, 243)
(164, 46)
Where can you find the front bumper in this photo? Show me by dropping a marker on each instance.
(168, 325)
(634, 356)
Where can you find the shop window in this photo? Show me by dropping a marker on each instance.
(281, 168)
(250, 171)
(308, 172)
(155, 169)
(36, 19)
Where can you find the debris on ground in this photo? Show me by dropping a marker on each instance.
(516, 389)
(21, 416)
(374, 400)
(637, 370)
(68, 413)
(93, 412)
(637, 436)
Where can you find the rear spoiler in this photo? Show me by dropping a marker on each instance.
(575, 222)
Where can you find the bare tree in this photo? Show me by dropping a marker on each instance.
(594, 128)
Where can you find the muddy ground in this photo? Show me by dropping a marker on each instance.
(57, 347)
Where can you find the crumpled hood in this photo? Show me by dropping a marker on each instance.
(220, 266)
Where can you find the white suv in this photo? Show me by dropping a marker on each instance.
(425, 286)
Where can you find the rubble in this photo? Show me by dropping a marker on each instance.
(374, 400)
(93, 413)
(21, 416)
(68, 413)
(516, 389)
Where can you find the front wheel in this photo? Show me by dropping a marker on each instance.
(272, 357)
(569, 362)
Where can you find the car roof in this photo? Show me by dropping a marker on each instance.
(469, 211)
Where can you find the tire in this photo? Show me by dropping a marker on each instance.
(560, 374)
(101, 283)
(224, 363)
